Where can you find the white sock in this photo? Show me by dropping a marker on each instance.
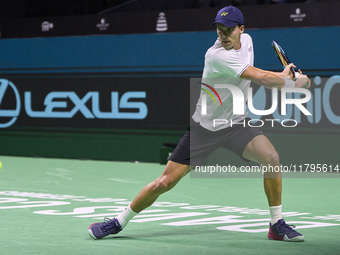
(125, 216)
(275, 213)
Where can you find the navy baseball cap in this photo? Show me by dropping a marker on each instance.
(229, 16)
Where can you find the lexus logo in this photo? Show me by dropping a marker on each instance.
(6, 87)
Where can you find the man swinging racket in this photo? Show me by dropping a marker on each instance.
(231, 57)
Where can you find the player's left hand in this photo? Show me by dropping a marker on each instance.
(302, 82)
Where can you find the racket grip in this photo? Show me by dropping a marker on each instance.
(296, 74)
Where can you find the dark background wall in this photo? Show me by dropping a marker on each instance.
(60, 96)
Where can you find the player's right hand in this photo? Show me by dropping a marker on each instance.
(286, 73)
(302, 82)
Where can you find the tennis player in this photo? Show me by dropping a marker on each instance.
(231, 56)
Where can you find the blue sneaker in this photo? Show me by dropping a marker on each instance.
(283, 232)
(108, 227)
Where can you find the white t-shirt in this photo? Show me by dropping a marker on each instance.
(224, 67)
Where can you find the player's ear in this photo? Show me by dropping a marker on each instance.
(241, 28)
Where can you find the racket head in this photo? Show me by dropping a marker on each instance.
(282, 57)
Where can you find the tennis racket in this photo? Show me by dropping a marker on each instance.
(284, 59)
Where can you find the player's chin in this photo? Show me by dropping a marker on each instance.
(227, 46)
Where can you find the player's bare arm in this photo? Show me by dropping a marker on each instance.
(270, 79)
(286, 73)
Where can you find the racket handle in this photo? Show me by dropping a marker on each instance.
(296, 74)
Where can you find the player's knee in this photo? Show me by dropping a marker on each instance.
(271, 158)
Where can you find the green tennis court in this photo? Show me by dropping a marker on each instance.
(46, 206)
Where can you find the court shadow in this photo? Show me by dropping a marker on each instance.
(161, 234)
